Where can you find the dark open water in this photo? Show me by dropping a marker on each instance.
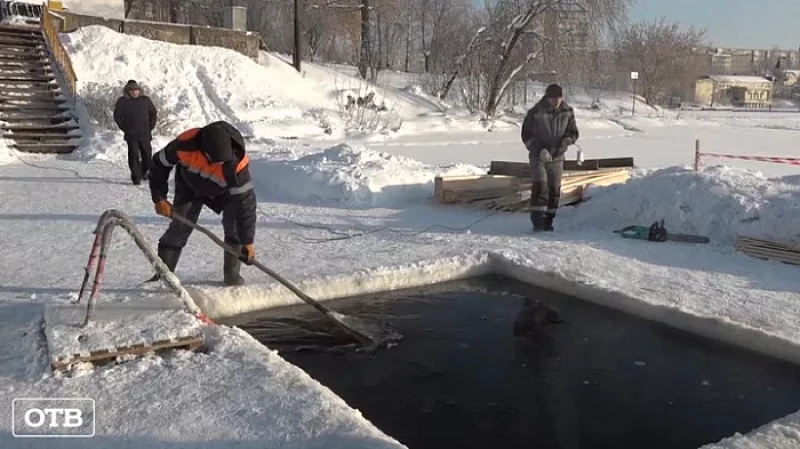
(600, 379)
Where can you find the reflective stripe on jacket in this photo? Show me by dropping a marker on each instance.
(206, 179)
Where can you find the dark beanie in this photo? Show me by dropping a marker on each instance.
(215, 141)
(553, 91)
(131, 85)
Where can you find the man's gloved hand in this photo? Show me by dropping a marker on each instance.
(248, 253)
(567, 141)
(164, 208)
(545, 155)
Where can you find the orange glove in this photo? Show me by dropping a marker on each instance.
(249, 253)
(164, 208)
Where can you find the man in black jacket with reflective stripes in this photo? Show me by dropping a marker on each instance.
(212, 170)
(548, 130)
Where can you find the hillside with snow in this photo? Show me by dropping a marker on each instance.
(344, 209)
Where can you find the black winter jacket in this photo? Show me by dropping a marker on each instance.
(225, 186)
(546, 128)
(136, 117)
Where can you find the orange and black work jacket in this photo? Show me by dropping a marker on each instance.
(224, 187)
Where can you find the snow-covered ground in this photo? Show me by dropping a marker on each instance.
(347, 211)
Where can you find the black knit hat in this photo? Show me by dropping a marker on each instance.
(131, 85)
(553, 91)
(215, 141)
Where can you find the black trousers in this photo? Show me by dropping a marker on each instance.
(139, 154)
(546, 188)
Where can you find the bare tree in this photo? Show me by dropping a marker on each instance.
(442, 93)
(525, 21)
(597, 74)
(664, 55)
(765, 64)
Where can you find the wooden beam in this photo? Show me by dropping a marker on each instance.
(523, 169)
(463, 183)
(766, 249)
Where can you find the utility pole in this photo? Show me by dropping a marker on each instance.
(297, 43)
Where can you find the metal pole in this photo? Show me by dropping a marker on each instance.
(633, 103)
(297, 43)
(697, 155)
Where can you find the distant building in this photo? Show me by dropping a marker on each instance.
(569, 25)
(110, 9)
(734, 90)
(724, 61)
(787, 78)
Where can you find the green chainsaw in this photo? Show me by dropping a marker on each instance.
(657, 233)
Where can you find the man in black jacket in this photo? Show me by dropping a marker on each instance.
(212, 170)
(136, 116)
(549, 128)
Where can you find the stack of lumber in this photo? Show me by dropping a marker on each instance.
(507, 186)
(765, 249)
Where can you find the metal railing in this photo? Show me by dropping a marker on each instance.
(50, 29)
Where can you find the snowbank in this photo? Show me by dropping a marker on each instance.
(351, 176)
(225, 302)
(720, 203)
(198, 84)
(781, 434)
(5, 152)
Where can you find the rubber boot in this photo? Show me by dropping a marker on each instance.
(169, 255)
(538, 220)
(231, 265)
(548, 222)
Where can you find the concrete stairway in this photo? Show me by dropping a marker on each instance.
(34, 115)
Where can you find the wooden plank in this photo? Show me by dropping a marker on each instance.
(45, 148)
(769, 243)
(766, 249)
(53, 129)
(600, 180)
(770, 255)
(523, 170)
(455, 196)
(507, 168)
(27, 135)
(480, 182)
(34, 107)
(191, 343)
(511, 193)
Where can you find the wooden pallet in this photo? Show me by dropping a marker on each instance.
(190, 343)
(116, 330)
(768, 250)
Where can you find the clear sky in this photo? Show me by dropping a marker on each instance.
(731, 23)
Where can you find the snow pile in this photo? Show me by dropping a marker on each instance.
(352, 176)
(199, 85)
(720, 203)
(780, 434)
(5, 151)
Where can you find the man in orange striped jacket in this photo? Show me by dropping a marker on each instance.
(212, 170)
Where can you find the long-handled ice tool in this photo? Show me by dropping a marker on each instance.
(370, 334)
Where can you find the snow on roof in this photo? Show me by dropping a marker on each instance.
(739, 79)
